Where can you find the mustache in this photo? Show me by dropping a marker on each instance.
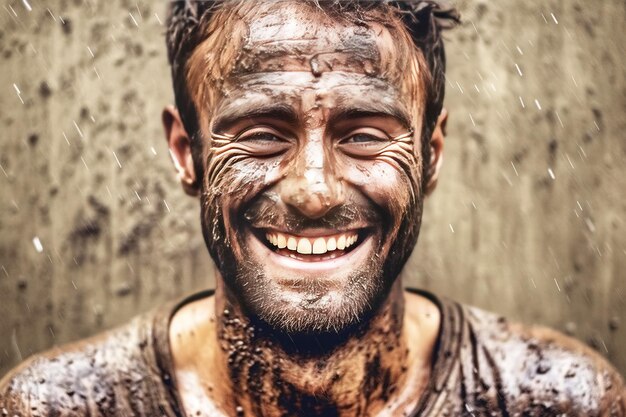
(264, 213)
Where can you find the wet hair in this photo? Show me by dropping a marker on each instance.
(189, 24)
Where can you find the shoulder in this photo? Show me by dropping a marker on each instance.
(91, 377)
(539, 369)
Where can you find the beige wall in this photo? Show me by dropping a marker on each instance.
(500, 232)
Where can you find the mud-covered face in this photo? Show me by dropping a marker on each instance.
(311, 191)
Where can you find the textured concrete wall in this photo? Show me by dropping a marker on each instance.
(528, 220)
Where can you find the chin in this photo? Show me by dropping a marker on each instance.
(306, 307)
(320, 281)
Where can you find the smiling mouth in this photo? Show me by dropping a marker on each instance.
(312, 248)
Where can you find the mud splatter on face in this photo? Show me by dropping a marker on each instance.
(312, 134)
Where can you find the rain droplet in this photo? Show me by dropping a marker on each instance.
(38, 245)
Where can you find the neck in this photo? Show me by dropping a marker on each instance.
(356, 373)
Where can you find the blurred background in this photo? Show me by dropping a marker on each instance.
(529, 218)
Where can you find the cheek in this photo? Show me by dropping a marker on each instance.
(232, 178)
(244, 179)
(387, 186)
(232, 170)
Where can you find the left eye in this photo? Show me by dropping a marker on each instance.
(363, 144)
(362, 138)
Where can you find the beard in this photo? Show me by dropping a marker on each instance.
(298, 305)
(311, 306)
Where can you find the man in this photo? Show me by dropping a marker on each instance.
(311, 132)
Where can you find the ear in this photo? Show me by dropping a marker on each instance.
(180, 150)
(436, 151)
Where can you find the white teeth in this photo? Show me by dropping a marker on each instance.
(315, 246)
(281, 241)
(304, 246)
(319, 246)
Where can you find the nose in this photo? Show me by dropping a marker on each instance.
(312, 185)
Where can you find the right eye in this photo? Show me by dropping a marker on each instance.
(262, 137)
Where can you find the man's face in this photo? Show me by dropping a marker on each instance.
(311, 193)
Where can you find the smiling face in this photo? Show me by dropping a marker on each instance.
(312, 172)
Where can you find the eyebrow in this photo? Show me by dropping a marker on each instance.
(362, 112)
(279, 111)
(286, 113)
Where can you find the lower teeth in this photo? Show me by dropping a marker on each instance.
(323, 256)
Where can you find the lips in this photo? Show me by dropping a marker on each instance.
(313, 253)
(294, 240)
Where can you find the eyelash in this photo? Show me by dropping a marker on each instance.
(263, 136)
(371, 138)
(262, 143)
(259, 136)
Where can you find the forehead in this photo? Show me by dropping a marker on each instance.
(286, 36)
(293, 54)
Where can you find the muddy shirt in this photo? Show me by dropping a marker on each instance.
(484, 366)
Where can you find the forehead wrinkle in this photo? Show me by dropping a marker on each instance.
(352, 46)
(304, 79)
(298, 33)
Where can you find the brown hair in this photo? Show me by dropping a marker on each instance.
(191, 22)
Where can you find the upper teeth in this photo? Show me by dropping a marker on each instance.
(316, 245)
